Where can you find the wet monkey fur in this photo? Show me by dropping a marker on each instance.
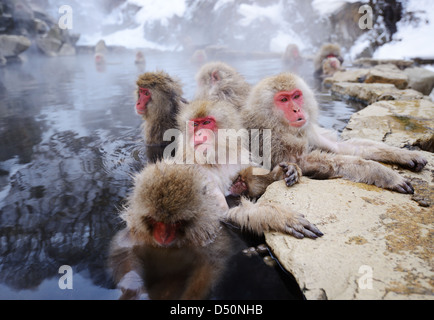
(286, 105)
(173, 246)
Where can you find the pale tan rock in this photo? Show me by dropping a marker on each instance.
(372, 92)
(370, 235)
(387, 73)
(398, 123)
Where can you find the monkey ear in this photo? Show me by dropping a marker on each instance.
(215, 76)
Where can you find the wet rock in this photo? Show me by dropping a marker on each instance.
(12, 45)
(398, 123)
(377, 243)
(369, 93)
(387, 73)
(420, 79)
(368, 62)
(48, 45)
(67, 50)
(384, 73)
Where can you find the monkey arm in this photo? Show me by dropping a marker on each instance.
(262, 217)
(253, 182)
(378, 151)
(322, 165)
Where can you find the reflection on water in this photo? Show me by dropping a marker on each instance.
(69, 141)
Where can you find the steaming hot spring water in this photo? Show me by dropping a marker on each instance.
(69, 140)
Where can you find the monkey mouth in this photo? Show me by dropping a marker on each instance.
(140, 111)
(299, 123)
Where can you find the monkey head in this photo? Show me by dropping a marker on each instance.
(156, 92)
(200, 121)
(330, 66)
(283, 99)
(220, 81)
(174, 205)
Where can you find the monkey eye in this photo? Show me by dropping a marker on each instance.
(195, 124)
(284, 99)
(297, 96)
(207, 122)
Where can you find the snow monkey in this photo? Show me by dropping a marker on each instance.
(328, 60)
(203, 123)
(286, 105)
(159, 99)
(292, 55)
(173, 246)
(219, 81)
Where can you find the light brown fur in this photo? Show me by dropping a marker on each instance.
(188, 268)
(219, 81)
(163, 107)
(311, 147)
(325, 51)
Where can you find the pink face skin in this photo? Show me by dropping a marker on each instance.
(144, 98)
(203, 128)
(291, 103)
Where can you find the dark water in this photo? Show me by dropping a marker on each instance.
(69, 140)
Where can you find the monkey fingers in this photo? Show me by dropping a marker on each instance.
(291, 173)
(405, 187)
(303, 228)
(416, 164)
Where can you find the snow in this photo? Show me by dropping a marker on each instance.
(150, 11)
(412, 41)
(327, 7)
(251, 12)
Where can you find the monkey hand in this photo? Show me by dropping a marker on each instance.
(299, 227)
(412, 160)
(131, 286)
(291, 173)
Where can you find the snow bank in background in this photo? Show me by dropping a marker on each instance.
(150, 11)
(413, 41)
(327, 7)
(251, 12)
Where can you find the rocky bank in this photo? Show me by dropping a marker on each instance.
(378, 244)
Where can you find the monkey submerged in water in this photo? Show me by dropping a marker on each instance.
(173, 246)
(286, 105)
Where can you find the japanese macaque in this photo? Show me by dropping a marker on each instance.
(286, 105)
(252, 184)
(292, 55)
(159, 99)
(212, 130)
(140, 58)
(173, 246)
(328, 61)
(199, 57)
(219, 81)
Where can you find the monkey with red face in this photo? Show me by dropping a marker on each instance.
(159, 99)
(286, 105)
(329, 60)
(216, 140)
